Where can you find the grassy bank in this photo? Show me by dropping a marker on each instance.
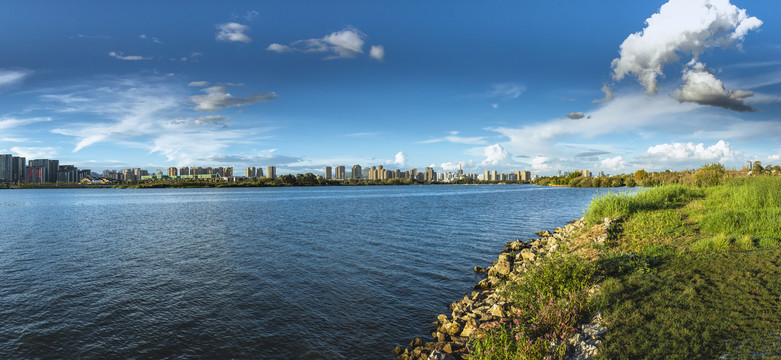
(682, 272)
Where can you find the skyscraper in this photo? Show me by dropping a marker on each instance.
(250, 173)
(172, 171)
(356, 175)
(328, 173)
(6, 167)
(339, 173)
(271, 172)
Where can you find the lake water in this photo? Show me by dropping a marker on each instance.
(262, 273)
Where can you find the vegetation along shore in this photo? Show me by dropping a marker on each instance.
(675, 271)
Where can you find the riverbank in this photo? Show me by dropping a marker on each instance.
(673, 271)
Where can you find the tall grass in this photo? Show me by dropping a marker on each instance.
(612, 205)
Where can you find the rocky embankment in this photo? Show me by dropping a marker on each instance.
(486, 305)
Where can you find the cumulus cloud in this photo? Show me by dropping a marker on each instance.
(494, 155)
(613, 164)
(217, 98)
(541, 163)
(680, 27)
(11, 77)
(680, 152)
(119, 55)
(377, 52)
(35, 152)
(575, 115)
(701, 87)
(455, 165)
(608, 95)
(455, 138)
(347, 43)
(233, 32)
(400, 159)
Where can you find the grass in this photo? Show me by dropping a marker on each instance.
(688, 273)
(696, 307)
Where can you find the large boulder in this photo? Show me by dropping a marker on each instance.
(469, 328)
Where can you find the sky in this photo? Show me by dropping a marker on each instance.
(544, 86)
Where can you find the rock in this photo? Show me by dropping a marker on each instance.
(528, 255)
(398, 350)
(452, 328)
(483, 284)
(416, 342)
(501, 269)
(544, 233)
(448, 348)
(497, 311)
(479, 270)
(439, 355)
(469, 328)
(441, 337)
(442, 319)
(506, 258)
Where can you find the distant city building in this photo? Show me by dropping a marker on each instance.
(172, 171)
(339, 173)
(68, 174)
(586, 173)
(42, 170)
(184, 171)
(250, 172)
(356, 174)
(328, 173)
(271, 172)
(259, 172)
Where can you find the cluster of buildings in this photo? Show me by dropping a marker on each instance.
(16, 169)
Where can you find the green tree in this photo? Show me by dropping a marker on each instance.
(640, 175)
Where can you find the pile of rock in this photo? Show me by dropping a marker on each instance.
(451, 333)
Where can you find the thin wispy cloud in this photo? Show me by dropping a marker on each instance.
(12, 77)
(121, 56)
(454, 137)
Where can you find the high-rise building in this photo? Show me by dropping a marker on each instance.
(430, 175)
(271, 172)
(259, 172)
(6, 167)
(172, 171)
(586, 173)
(328, 173)
(356, 175)
(68, 174)
(19, 169)
(525, 176)
(43, 170)
(339, 173)
(487, 175)
(250, 172)
(184, 171)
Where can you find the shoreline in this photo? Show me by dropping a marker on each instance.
(486, 307)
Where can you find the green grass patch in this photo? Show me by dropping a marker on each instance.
(557, 277)
(653, 227)
(614, 206)
(696, 307)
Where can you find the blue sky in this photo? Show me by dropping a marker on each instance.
(504, 85)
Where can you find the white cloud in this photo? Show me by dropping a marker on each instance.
(154, 39)
(198, 83)
(347, 43)
(233, 32)
(455, 165)
(218, 120)
(250, 15)
(279, 48)
(11, 77)
(624, 114)
(218, 98)
(494, 155)
(121, 56)
(575, 115)
(454, 138)
(400, 159)
(687, 152)
(8, 123)
(377, 52)
(680, 27)
(700, 86)
(506, 91)
(35, 152)
(541, 163)
(613, 164)
(608, 95)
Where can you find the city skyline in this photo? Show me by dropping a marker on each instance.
(503, 86)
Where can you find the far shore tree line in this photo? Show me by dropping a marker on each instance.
(710, 174)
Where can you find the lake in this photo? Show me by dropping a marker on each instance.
(262, 273)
